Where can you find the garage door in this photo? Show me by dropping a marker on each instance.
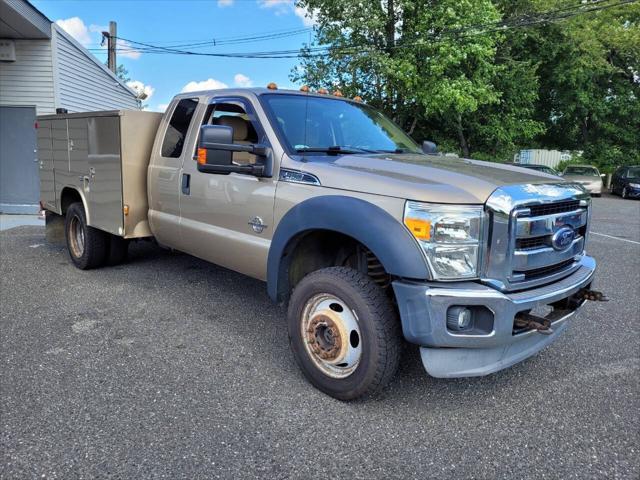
(19, 184)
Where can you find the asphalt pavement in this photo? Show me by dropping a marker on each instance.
(170, 367)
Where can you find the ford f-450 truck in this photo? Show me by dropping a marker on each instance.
(369, 238)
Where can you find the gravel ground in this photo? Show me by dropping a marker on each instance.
(169, 367)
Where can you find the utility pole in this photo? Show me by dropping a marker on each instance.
(112, 37)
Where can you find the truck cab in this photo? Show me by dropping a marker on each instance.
(368, 238)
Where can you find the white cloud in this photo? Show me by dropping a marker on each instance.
(225, 3)
(283, 7)
(209, 84)
(126, 50)
(242, 80)
(308, 19)
(140, 88)
(277, 4)
(98, 28)
(75, 27)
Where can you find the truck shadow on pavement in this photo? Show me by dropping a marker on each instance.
(188, 306)
(255, 312)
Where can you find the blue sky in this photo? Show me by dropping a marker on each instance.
(165, 22)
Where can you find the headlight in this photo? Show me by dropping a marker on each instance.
(450, 236)
(634, 185)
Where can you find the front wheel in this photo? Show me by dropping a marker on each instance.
(344, 332)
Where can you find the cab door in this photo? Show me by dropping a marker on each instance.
(228, 219)
(163, 178)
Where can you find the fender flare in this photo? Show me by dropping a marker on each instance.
(365, 222)
(82, 198)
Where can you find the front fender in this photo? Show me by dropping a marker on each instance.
(369, 224)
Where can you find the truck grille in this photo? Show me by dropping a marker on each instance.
(549, 209)
(544, 271)
(521, 238)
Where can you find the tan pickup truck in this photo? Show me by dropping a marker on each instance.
(370, 239)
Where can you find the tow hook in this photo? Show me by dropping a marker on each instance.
(534, 322)
(593, 295)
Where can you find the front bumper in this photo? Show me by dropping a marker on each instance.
(633, 192)
(593, 188)
(423, 309)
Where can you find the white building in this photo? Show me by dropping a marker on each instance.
(550, 158)
(42, 69)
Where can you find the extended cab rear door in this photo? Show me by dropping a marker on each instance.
(228, 219)
(164, 177)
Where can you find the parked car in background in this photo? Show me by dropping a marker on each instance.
(536, 167)
(586, 175)
(626, 181)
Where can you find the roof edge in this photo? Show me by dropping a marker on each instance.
(92, 57)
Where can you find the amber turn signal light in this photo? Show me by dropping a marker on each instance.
(272, 86)
(202, 156)
(421, 229)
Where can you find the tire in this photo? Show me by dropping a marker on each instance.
(624, 192)
(324, 305)
(87, 246)
(118, 250)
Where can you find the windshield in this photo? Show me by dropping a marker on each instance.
(584, 171)
(545, 169)
(633, 172)
(316, 124)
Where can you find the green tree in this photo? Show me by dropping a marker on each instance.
(122, 73)
(442, 71)
(588, 76)
(415, 60)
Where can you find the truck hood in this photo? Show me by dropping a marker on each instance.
(427, 178)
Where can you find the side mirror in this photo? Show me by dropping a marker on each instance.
(215, 149)
(211, 138)
(429, 147)
(603, 175)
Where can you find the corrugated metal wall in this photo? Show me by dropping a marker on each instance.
(83, 85)
(29, 80)
(550, 158)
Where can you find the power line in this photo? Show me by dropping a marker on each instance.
(233, 40)
(522, 21)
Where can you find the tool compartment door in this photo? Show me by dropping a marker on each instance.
(45, 162)
(103, 181)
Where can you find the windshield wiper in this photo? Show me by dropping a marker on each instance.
(333, 150)
(397, 150)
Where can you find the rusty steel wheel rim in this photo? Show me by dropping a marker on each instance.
(76, 237)
(331, 335)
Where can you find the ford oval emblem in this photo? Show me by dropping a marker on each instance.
(563, 238)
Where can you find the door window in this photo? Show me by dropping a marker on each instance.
(234, 115)
(178, 127)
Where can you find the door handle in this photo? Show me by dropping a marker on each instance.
(186, 184)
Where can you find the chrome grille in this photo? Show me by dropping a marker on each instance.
(559, 207)
(522, 223)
